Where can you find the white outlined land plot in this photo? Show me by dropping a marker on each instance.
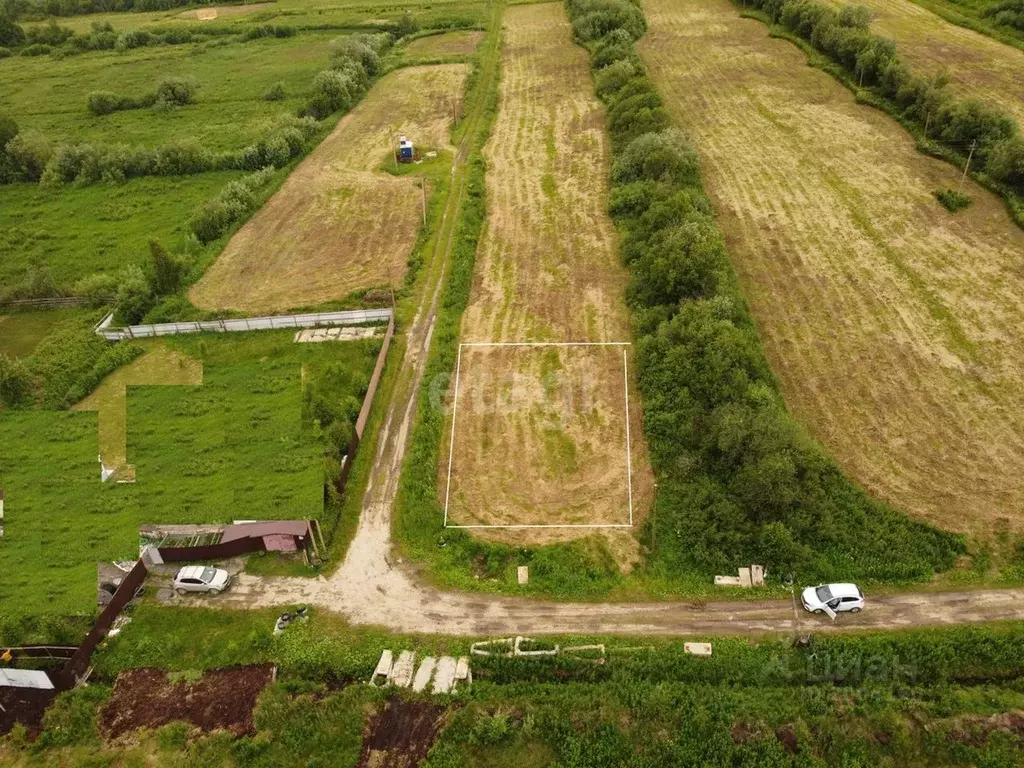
(540, 437)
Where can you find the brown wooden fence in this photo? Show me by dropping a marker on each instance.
(364, 412)
(212, 551)
(79, 663)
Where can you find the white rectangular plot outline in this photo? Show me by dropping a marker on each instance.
(455, 407)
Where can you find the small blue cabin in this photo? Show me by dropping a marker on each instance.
(405, 151)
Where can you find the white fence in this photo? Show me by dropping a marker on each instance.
(312, 320)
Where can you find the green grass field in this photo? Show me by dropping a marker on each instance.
(77, 231)
(229, 112)
(21, 332)
(244, 445)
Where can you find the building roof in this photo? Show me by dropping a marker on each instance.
(271, 528)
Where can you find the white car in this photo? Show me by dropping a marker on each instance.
(201, 578)
(833, 599)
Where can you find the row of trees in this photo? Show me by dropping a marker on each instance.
(739, 480)
(53, 38)
(170, 92)
(354, 62)
(30, 156)
(36, 9)
(843, 35)
(1008, 13)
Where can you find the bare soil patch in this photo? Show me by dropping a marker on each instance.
(401, 735)
(978, 66)
(893, 325)
(25, 706)
(460, 43)
(339, 224)
(222, 699)
(548, 269)
(224, 11)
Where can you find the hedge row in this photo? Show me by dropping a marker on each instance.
(927, 104)
(739, 480)
(170, 92)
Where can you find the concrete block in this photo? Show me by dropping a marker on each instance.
(444, 677)
(382, 672)
(698, 649)
(757, 575)
(744, 577)
(463, 673)
(424, 673)
(524, 574)
(727, 581)
(401, 672)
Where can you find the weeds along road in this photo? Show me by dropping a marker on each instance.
(369, 588)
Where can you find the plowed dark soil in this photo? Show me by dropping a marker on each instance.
(23, 705)
(401, 735)
(224, 698)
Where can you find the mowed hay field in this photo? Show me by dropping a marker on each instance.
(978, 66)
(459, 43)
(542, 436)
(339, 224)
(893, 326)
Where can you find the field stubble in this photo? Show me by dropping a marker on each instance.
(339, 224)
(548, 270)
(890, 324)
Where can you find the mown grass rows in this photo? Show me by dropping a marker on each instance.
(945, 124)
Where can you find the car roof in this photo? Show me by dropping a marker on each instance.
(191, 572)
(844, 590)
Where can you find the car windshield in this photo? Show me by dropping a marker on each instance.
(824, 594)
(208, 574)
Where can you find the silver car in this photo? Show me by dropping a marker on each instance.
(201, 578)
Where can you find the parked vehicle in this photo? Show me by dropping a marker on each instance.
(200, 578)
(833, 599)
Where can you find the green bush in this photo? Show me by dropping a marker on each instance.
(99, 288)
(51, 34)
(274, 93)
(133, 38)
(11, 34)
(235, 202)
(28, 154)
(134, 295)
(37, 49)
(5, 52)
(175, 91)
(15, 382)
(593, 19)
(952, 200)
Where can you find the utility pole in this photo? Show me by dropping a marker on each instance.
(423, 190)
(391, 140)
(967, 167)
